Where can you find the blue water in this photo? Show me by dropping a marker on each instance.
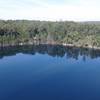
(40, 74)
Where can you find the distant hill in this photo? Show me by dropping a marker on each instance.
(91, 22)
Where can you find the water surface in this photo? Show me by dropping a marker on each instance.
(46, 72)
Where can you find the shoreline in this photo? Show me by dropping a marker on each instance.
(80, 46)
(62, 44)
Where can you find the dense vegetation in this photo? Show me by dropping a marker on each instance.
(23, 31)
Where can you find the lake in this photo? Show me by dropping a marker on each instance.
(47, 72)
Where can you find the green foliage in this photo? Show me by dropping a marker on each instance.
(61, 32)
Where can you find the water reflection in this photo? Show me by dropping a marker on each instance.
(52, 50)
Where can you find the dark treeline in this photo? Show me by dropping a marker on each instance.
(52, 50)
(23, 31)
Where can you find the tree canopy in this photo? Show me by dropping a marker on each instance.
(78, 33)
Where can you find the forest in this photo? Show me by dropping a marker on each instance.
(14, 32)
